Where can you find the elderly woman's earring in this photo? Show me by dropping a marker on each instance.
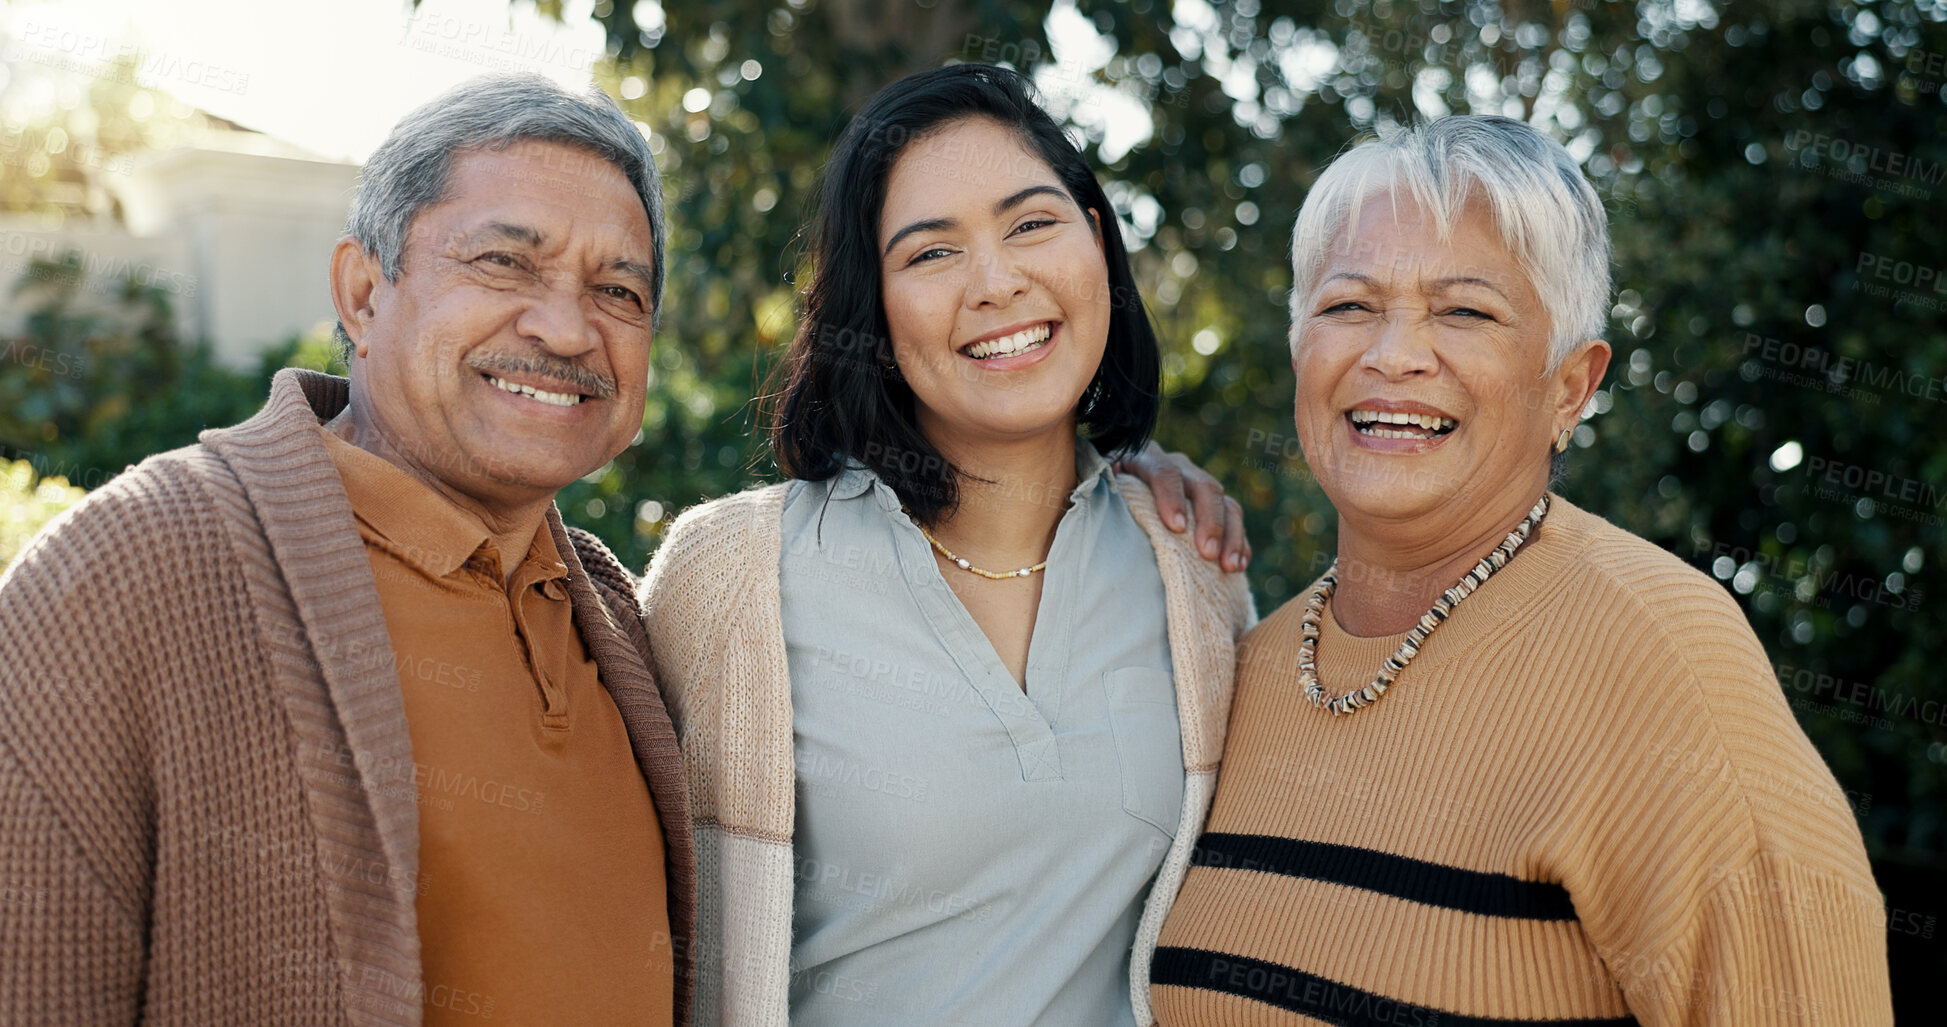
(1561, 441)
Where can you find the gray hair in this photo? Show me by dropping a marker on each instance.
(410, 171)
(1548, 213)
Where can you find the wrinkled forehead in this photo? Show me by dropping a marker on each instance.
(546, 170)
(540, 195)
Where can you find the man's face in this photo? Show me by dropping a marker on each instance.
(511, 356)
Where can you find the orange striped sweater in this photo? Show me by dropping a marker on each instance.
(1585, 801)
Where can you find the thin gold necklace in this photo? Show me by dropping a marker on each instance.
(1443, 607)
(965, 565)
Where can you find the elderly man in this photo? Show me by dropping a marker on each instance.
(328, 718)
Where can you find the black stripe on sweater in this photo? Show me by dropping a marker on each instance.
(1415, 880)
(1317, 997)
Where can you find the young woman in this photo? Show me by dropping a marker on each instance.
(951, 699)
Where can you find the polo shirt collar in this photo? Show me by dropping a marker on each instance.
(420, 526)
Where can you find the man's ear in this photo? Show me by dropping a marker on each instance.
(355, 278)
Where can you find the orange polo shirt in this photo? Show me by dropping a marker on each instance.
(541, 859)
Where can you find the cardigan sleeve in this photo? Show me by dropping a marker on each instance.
(74, 952)
(76, 823)
(710, 604)
(708, 570)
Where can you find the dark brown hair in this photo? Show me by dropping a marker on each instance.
(842, 398)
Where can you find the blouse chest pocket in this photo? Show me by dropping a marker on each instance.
(1148, 744)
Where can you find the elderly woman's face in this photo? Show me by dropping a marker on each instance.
(1421, 369)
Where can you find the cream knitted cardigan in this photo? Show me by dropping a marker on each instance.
(710, 602)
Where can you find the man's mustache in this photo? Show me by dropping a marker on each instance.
(592, 383)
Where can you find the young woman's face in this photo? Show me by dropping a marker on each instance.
(995, 286)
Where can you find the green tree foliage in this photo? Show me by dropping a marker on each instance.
(1775, 179)
(27, 502)
(94, 383)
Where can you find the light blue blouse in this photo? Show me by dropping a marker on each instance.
(969, 853)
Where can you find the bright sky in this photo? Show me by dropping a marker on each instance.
(329, 76)
(333, 76)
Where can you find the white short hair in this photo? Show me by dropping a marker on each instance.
(1548, 213)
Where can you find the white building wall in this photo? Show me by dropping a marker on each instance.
(109, 256)
(240, 241)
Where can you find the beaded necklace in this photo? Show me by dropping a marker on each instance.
(962, 562)
(1443, 607)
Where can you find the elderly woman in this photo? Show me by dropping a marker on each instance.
(1505, 762)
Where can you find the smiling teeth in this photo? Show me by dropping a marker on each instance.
(1367, 421)
(553, 399)
(1013, 345)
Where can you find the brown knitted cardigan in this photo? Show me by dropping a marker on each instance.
(206, 798)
